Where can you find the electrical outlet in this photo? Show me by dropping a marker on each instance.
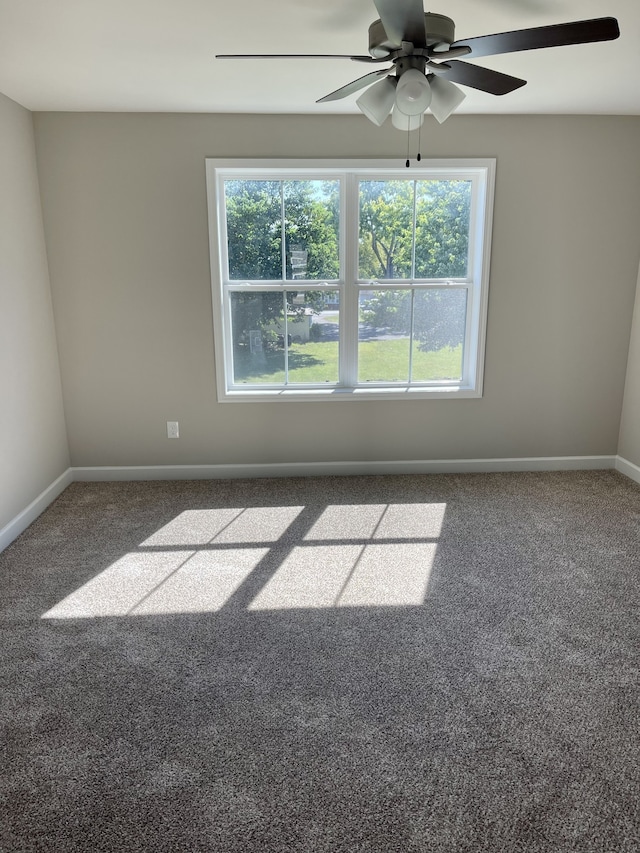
(173, 429)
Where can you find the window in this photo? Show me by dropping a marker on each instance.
(349, 280)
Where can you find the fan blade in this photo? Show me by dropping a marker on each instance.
(403, 20)
(556, 35)
(299, 56)
(354, 86)
(484, 79)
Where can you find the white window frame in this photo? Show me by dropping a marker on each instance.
(482, 174)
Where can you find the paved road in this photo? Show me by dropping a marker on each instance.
(365, 333)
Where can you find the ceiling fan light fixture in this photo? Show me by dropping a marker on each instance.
(413, 93)
(446, 97)
(401, 121)
(377, 101)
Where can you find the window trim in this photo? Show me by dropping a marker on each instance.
(483, 172)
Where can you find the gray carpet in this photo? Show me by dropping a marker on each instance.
(427, 663)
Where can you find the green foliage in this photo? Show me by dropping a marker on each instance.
(386, 225)
(254, 229)
(251, 311)
(439, 315)
(311, 225)
(408, 229)
(439, 318)
(388, 310)
(440, 249)
(442, 212)
(315, 332)
(254, 215)
(261, 311)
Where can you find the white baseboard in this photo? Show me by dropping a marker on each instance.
(28, 515)
(628, 468)
(311, 469)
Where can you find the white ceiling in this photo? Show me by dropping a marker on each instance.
(158, 55)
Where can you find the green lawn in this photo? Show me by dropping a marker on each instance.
(379, 361)
(388, 361)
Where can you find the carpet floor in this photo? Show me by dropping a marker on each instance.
(363, 664)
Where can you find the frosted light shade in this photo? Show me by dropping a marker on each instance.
(413, 93)
(376, 102)
(404, 122)
(446, 97)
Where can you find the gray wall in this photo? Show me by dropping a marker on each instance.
(125, 217)
(629, 447)
(33, 443)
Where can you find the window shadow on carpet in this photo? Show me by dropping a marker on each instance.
(269, 557)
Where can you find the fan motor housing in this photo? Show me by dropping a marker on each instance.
(440, 32)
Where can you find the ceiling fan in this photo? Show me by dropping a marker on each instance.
(426, 61)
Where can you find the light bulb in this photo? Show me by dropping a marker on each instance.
(405, 122)
(413, 93)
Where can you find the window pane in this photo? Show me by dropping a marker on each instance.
(311, 229)
(257, 330)
(254, 230)
(442, 228)
(383, 335)
(439, 317)
(313, 337)
(386, 229)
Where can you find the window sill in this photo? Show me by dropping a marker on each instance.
(283, 395)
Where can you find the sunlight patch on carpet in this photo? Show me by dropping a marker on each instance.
(380, 575)
(162, 582)
(230, 526)
(379, 521)
(193, 527)
(269, 558)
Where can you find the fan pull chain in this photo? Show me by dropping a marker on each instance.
(419, 155)
(407, 164)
